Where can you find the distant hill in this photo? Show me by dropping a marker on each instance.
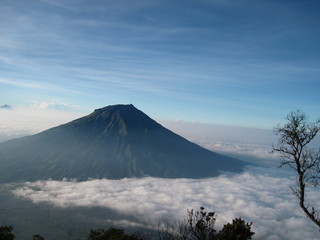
(6, 106)
(112, 142)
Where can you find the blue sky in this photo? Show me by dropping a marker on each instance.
(243, 63)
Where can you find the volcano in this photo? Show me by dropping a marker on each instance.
(113, 142)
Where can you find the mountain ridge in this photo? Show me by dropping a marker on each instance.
(113, 142)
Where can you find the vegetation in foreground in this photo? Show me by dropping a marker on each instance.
(199, 225)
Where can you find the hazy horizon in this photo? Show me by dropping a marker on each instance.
(252, 142)
(245, 143)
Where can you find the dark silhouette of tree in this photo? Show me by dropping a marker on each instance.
(37, 237)
(113, 234)
(294, 137)
(200, 225)
(237, 230)
(6, 233)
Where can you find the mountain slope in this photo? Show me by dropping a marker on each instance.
(112, 142)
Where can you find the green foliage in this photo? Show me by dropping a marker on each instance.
(112, 234)
(6, 233)
(237, 230)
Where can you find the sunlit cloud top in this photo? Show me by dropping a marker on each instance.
(256, 196)
(232, 62)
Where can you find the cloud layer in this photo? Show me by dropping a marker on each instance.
(256, 195)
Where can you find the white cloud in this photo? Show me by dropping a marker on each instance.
(36, 85)
(249, 144)
(50, 106)
(37, 117)
(259, 195)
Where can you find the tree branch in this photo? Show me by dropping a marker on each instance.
(295, 135)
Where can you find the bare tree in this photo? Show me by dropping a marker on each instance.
(199, 225)
(293, 148)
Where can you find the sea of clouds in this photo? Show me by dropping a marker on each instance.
(259, 195)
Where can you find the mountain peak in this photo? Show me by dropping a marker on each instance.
(121, 118)
(114, 142)
(119, 107)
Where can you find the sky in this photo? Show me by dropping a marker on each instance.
(222, 73)
(238, 63)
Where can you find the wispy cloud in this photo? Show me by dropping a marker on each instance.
(238, 57)
(24, 84)
(51, 106)
(258, 196)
